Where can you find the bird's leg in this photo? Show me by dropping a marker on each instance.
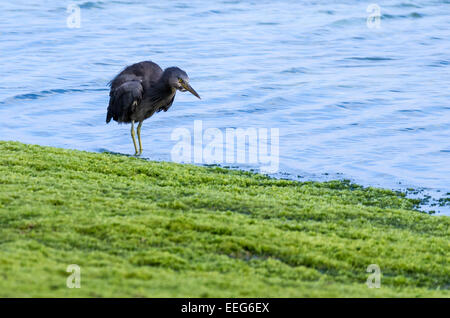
(133, 136)
(139, 136)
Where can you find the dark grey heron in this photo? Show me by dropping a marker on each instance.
(142, 89)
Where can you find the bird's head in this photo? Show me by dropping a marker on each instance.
(178, 79)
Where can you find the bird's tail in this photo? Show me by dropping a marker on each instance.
(109, 114)
(108, 117)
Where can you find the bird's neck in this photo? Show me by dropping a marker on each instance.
(163, 86)
(160, 90)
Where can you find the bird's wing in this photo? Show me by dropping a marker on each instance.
(147, 71)
(124, 99)
(123, 78)
(127, 89)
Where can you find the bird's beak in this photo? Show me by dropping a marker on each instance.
(189, 88)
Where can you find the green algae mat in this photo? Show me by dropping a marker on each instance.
(136, 228)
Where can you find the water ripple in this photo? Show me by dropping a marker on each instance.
(371, 105)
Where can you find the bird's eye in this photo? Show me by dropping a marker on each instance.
(180, 80)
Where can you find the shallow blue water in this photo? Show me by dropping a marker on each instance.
(370, 105)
